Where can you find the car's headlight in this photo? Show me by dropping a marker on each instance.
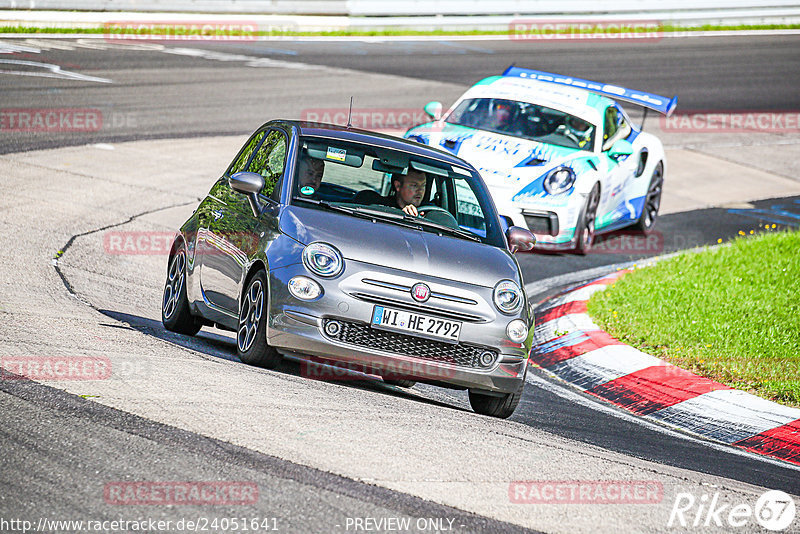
(559, 180)
(323, 259)
(304, 288)
(517, 331)
(508, 296)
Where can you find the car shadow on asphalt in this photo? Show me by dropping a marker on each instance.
(219, 344)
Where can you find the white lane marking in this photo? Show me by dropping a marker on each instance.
(53, 71)
(7, 47)
(250, 61)
(727, 415)
(568, 392)
(603, 365)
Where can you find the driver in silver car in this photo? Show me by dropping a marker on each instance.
(410, 190)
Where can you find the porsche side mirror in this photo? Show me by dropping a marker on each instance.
(520, 239)
(620, 148)
(433, 110)
(249, 184)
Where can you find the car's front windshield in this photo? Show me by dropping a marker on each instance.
(362, 180)
(525, 120)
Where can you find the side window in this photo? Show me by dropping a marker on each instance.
(468, 212)
(615, 127)
(269, 161)
(610, 126)
(240, 163)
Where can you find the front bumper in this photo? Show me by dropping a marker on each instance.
(296, 327)
(553, 221)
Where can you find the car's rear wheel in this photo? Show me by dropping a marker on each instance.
(497, 406)
(251, 337)
(175, 313)
(652, 202)
(586, 222)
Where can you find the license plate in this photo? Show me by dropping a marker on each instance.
(416, 324)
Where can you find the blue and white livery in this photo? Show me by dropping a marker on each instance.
(559, 154)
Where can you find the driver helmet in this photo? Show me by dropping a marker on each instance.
(579, 129)
(502, 112)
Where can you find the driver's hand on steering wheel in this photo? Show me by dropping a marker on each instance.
(411, 209)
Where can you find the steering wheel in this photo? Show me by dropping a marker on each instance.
(440, 215)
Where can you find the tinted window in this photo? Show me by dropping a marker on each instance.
(240, 163)
(269, 160)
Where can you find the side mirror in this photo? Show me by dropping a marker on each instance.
(249, 184)
(520, 239)
(620, 148)
(433, 110)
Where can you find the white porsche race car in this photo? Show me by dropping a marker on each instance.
(559, 155)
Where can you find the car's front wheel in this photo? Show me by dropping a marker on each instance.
(652, 202)
(175, 313)
(496, 406)
(251, 337)
(584, 231)
(399, 382)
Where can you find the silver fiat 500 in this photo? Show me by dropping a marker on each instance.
(359, 250)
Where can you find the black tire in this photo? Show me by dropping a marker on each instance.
(502, 407)
(584, 238)
(652, 201)
(399, 382)
(251, 337)
(175, 314)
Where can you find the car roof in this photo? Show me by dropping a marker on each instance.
(316, 129)
(573, 100)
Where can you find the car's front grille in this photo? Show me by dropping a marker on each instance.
(363, 335)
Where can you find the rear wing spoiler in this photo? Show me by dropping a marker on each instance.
(655, 102)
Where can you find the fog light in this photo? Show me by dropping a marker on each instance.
(304, 288)
(517, 331)
(486, 358)
(333, 328)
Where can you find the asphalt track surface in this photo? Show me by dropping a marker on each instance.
(158, 95)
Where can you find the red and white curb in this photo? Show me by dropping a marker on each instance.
(568, 344)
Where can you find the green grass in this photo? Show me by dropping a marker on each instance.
(730, 313)
(174, 30)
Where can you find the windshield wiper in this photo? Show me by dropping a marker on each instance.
(366, 213)
(326, 204)
(447, 229)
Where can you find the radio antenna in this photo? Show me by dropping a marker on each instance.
(350, 113)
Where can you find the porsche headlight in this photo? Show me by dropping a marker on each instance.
(508, 296)
(323, 259)
(559, 180)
